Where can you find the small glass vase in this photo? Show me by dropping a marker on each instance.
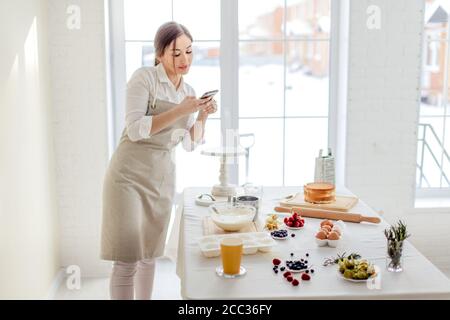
(394, 258)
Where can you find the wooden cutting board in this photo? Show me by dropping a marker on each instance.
(342, 203)
(209, 228)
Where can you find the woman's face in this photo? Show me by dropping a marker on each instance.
(178, 60)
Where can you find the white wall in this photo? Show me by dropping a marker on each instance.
(80, 125)
(29, 256)
(382, 117)
(383, 103)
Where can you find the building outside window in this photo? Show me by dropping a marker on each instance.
(433, 161)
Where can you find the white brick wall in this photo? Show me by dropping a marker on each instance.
(383, 103)
(80, 125)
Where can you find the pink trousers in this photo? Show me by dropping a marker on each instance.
(132, 280)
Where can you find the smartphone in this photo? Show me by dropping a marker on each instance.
(209, 94)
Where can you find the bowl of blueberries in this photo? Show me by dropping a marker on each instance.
(281, 234)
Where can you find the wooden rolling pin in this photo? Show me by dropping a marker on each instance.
(327, 214)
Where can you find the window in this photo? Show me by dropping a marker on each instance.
(284, 54)
(433, 161)
(270, 60)
(141, 21)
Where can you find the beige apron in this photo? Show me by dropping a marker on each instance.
(138, 190)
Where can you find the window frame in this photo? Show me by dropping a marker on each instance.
(229, 65)
(434, 192)
(117, 66)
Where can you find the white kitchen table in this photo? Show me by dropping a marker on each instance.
(419, 280)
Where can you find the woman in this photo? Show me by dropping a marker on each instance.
(139, 184)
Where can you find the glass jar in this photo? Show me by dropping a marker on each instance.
(252, 196)
(394, 257)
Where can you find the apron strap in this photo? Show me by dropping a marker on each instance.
(153, 104)
(154, 97)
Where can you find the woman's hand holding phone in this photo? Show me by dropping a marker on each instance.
(209, 94)
(211, 107)
(191, 104)
(206, 105)
(211, 104)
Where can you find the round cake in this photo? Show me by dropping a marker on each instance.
(319, 192)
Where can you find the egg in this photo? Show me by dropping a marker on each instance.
(323, 222)
(326, 227)
(333, 236)
(337, 227)
(321, 235)
(340, 224)
(326, 222)
(337, 231)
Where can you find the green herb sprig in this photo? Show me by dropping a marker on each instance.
(334, 260)
(397, 233)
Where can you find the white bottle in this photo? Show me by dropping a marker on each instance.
(325, 168)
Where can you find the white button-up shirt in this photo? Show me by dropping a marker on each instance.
(141, 89)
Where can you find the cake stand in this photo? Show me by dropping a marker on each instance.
(224, 189)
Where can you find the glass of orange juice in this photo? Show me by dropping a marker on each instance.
(231, 253)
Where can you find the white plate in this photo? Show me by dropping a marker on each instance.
(293, 228)
(296, 271)
(279, 238)
(206, 201)
(341, 275)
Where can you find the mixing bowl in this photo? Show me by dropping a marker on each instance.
(231, 217)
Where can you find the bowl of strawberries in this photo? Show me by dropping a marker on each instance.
(295, 221)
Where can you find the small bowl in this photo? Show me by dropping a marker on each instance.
(278, 237)
(293, 228)
(333, 243)
(321, 243)
(231, 217)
